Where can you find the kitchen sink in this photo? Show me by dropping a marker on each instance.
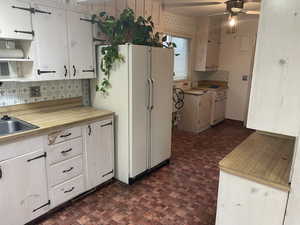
(10, 125)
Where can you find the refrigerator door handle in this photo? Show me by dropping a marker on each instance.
(152, 91)
(149, 93)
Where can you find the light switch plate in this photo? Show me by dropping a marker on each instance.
(245, 77)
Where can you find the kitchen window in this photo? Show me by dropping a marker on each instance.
(181, 57)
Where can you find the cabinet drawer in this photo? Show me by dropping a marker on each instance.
(67, 191)
(64, 171)
(60, 136)
(64, 151)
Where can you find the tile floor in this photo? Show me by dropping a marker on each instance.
(183, 193)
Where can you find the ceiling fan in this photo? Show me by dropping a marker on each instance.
(233, 7)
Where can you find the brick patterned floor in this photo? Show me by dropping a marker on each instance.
(182, 193)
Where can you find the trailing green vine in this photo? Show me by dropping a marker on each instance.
(118, 31)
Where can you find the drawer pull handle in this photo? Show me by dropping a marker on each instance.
(69, 170)
(90, 130)
(45, 71)
(107, 124)
(66, 151)
(67, 191)
(65, 135)
(88, 71)
(74, 71)
(1, 172)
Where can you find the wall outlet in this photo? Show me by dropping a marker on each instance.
(35, 91)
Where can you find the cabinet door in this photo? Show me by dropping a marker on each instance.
(204, 111)
(212, 56)
(80, 46)
(23, 188)
(51, 43)
(99, 152)
(15, 20)
(275, 96)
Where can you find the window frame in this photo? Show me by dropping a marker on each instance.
(189, 52)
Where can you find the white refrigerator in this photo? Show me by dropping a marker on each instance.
(141, 97)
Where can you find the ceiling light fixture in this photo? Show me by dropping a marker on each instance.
(232, 21)
(232, 24)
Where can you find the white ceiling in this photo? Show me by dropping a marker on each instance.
(204, 10)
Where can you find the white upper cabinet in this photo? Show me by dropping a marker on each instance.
(23, 188)
(80, 46)
(51, 43)
(15, 20)
(275, 96)
(208, 44)
(100, 152)
(76, 6)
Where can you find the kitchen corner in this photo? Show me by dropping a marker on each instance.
(204, 106)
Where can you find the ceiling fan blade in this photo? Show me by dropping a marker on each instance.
(191, 4)
(249, 12)
(257, 1)
(219, 14)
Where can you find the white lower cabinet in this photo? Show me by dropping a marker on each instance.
(64, 151)
(99, 147)
(196, 114)
(38, 174)
(81, 161)
(65, 170)
(23, 188)
(245, 202)
(67, 190)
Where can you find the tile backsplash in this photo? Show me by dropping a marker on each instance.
(12, 93)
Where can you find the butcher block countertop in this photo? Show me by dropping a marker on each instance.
(262, 158)
(51, 116)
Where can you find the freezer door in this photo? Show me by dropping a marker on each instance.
(161, 112)
(139, 71)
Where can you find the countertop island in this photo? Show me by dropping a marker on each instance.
(262, 158)
(254, 181)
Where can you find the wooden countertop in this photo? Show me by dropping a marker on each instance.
(51, 116)
(262, 158)
(195, 92)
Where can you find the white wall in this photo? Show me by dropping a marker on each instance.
(236, 56)
(184, 26)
